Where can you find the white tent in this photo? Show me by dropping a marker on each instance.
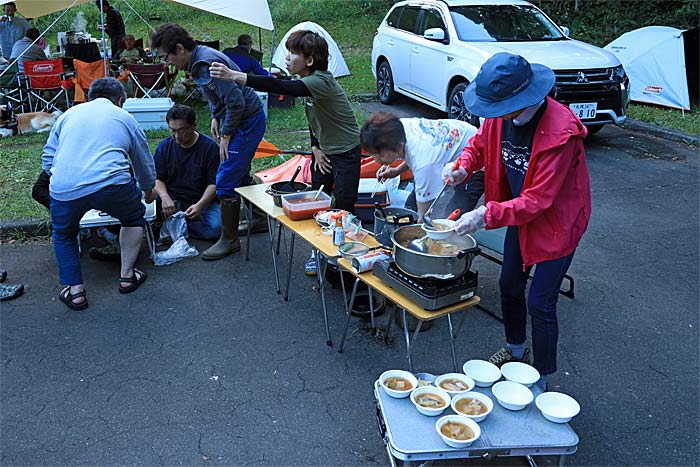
(654, 59)
(254, 12)
(336, 62)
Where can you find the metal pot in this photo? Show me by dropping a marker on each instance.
(384, 229)
(428, 265)
(276, 190)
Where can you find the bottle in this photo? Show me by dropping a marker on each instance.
(338, 233)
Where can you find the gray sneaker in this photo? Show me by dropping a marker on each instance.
(505, 355)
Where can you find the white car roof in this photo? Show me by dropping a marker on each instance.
(465, 2)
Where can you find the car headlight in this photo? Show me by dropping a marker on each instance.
(618, 74)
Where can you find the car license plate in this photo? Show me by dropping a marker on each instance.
(585, 110)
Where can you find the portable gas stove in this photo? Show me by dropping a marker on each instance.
(428, 293)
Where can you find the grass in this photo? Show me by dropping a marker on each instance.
(350, 22)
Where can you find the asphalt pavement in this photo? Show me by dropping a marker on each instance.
(206, 365)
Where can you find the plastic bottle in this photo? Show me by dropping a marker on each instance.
(338, 233)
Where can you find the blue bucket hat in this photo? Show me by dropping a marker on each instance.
(505, 84)
(200, 73)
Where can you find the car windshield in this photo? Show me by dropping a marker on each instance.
(503, 23)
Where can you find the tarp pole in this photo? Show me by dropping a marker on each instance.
(104, 42)
(272, 50)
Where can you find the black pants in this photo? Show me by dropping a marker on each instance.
(343, 180)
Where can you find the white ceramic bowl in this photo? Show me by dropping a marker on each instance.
(512, 396)
(482, 372)
(430, 411)
(460, 419)
(401, 374)
(448, 226)
(458, 376)
(522, 373)
(557, 407)
(483, 398)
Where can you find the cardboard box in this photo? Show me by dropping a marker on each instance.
(149, 112)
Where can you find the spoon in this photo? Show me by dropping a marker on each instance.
(418, 244)
(318, 193)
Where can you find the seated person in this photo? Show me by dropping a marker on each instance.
(242, 57)
(186, 166)
(131, 54)
(31, 51)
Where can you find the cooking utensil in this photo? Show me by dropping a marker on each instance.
(379, 208)
(290, 184)
(318, 192)
(389, 219)
(276, 192)
(419, 245)
(431, 266)
(427, 220)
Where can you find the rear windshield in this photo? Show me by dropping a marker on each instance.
(503, 23)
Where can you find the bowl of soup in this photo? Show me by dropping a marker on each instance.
(398, 383)
(519, 372)
(473, 405)
(482, 372)
(430, 401)
(457, 431)
(557, 407)
(512, 396)
(443, 229)
(454, 383)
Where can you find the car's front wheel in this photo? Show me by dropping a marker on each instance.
(593, 129)
(457, 110)
(385, 83)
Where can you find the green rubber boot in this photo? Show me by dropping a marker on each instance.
(229, 242)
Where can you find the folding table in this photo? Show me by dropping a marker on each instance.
(411, 436)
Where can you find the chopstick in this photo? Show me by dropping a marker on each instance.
(379, 182)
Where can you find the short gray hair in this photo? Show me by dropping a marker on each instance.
(109, 88)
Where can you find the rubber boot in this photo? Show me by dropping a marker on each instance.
(229, 242)
(259, 223)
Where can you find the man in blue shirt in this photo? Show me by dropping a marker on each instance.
(12, 28)
(186, 166)
(242, 57)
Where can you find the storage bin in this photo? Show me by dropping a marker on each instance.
(364, 207)
(149, 112)
(301, 206)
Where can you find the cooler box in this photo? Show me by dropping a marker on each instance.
(263, 98)
(149, 112)
(364, 207)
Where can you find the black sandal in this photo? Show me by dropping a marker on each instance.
(136, 280)
(67, 298)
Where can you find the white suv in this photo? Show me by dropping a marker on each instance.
(429, 50)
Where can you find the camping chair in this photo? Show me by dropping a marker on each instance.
(11, 90)
(213, 44)
(44, 78)
(85, 74)
(149, 78)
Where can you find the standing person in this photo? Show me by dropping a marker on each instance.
(91, 171)
(242, 57)
(12, 28)
(537, 185)
(26, 50)
(186, 166)
(114, 25)
(425, 146)
(238, 124)
(335, 135)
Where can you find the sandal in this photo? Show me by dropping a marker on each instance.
(67, 298)
(136, 280)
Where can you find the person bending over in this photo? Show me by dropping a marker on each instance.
(537, 185)
(91, 171)
(186, 165)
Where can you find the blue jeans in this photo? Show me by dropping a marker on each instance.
(235, 171)
(123, 202)
(541, 302)
(208, 225)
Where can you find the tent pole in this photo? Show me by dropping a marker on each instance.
(272, 50)
(104, 43)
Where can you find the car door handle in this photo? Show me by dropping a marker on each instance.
(415, 50)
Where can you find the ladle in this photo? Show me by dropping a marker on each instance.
(289, 186)
(427, 220)
(418, 244)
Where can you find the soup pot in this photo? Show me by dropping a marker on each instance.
(276, 190)
(431, 266)
(383, 228)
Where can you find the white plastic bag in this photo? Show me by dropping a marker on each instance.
(175, 227)
(397, 195)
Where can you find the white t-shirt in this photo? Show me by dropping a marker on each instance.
(430, 144)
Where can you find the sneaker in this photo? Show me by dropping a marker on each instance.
(505, 355)
(85, 234)
(310, 266)
(8, 292)
(106, 235)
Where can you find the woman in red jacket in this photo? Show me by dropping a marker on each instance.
(536, 184)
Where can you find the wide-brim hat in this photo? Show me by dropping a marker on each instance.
(200, 73)
(505, 84)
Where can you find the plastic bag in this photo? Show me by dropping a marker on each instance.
(175, 227)
(398, 196)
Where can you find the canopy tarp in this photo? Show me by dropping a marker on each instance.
(254, 12)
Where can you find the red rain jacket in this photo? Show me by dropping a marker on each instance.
(554, 206)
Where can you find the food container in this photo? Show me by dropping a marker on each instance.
(454, 383)
(444, 229)
(395, 218)
(461, 419)
(301, 206)
(557, 407)
(433, 395)
(428, 265)
(512, 396)
(485, 401)
(276, 190)
(482, 372)
(519, 372)
(405, 375)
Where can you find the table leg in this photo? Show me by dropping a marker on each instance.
(322, 264)
(279, 237)
(452, 343)
(289, 266)
(270, 222)
(249, 220)
(348, 310)
(409, 349)
(371, 310)
(150, 238)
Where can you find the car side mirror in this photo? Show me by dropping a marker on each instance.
(565, 30)
(434, 34)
